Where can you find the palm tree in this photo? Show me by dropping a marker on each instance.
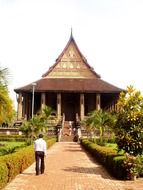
(6, 104)
(37, 124)
(4, 73)
(33, 127)
(101, 120)
(46, 112)
(49, 115)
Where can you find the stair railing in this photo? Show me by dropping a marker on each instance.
(78, 126)
(60, 127)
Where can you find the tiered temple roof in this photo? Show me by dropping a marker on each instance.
(71, 73)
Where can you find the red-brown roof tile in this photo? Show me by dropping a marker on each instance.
(71, 85)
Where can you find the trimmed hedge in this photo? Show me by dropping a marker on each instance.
(10, 138)
(108, 157)
(3, 174)
(13, 164)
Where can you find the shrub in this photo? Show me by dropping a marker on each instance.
(13, 164)
(128, 128)
(140, 166)
(108, 157)
(3, 174)
(12, 138)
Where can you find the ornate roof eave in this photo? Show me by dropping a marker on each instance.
(60, 56)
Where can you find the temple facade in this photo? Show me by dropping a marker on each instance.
(71, 87)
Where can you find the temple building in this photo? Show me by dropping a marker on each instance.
(71, 87)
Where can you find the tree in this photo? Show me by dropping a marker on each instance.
(4, 73)
(33, 127)
(129, 125)
(6, 104)
(46, 112)
(100, 119)
(37, 124)
(48, 115)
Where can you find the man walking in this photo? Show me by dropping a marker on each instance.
(40, 152)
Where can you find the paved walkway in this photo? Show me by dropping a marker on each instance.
(68, 167)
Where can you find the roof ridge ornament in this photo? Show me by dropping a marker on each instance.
(71, 33)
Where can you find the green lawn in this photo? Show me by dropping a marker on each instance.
(112, 145)
(10, 147)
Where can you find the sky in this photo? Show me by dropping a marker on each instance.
(109, 33)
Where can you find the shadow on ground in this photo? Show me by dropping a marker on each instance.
(99, 171)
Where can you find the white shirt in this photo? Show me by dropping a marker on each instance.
(40, 145)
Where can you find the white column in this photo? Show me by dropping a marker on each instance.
(33, 98)
(113, 106)
(98, 102)
(19, 107)
(43, 100)
(116, 108)
(59, 105)
(81, 106)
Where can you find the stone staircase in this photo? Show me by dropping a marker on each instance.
(67, 134)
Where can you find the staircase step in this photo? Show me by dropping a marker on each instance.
(67, 135)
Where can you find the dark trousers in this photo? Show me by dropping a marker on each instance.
(40, 165)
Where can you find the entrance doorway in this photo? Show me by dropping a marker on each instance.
(70, 106)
